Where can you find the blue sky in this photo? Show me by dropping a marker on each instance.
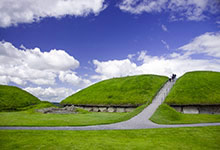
(55, 48)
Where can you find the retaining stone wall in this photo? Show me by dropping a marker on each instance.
(107, 108)
(198, 109)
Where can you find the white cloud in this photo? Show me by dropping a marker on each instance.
(113, 68)
(179, 9)
(13, 12)
(72, 78)
(164, 28)
(32, 65)
(165, 44)
(50, 94)
(154, 65)
(207, 43)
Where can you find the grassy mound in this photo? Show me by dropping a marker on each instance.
(132, 90)
(168, 115)
(14, 98)
(200, 87)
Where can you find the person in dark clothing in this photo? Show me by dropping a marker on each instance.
(173, 77)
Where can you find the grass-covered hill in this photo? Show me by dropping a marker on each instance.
(131, 90)
(13, 98)
(199, 87)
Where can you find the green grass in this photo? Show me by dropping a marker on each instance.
(83, 118)
(195, 138)
(200, 87)
(168, 115)
(32, 108)
(132, 90)
(13, 98)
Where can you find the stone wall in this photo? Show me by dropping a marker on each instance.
(107, 108)
(197, 109)
(54, 110)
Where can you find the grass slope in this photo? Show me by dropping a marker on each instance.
(13, 98)
(167, 115)
(200, 87)
(192, 138)
(132, 90)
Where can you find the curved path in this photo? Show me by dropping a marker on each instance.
(140, 121)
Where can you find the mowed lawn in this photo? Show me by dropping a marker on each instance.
(168, 115)
(30, 118)
(195, 138)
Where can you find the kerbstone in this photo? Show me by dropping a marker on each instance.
(103, 109)
(95, 109)
(111, 109)
(190, 110)
(120, 110)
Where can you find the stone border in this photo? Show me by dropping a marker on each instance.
(197, 109)
(107, 108)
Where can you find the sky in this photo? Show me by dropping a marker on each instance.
(54, 48)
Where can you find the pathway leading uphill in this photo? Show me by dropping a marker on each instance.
(141, 121)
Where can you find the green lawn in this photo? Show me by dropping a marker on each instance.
(31, 118)
(132, 90)
(199, 87)
(13, 98)
(195, 138)
(167, 115)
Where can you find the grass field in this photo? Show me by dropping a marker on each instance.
(167, 115)
(132, 90)
(200, 87)
(13, 98)
(31, 118)
(195, 138)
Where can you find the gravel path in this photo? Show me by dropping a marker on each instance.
(141, 121)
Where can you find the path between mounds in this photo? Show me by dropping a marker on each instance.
(140, 121)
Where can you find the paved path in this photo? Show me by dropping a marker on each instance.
(141, 121)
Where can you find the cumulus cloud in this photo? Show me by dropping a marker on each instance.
(13, 12)
(177, 62)
(154, 65)
(50, 94)
(207, 43)
(113, 68)
(179, 9)
(72, 78)
(32, 65)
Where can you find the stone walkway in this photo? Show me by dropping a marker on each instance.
(141, 121)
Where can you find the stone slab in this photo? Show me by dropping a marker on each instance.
(120, 110)
(111, 109)
(190, 110)
(95, 109)
(103, 109)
